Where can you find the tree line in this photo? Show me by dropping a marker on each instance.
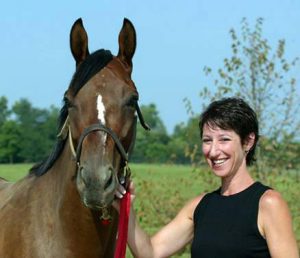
(255, 71)
(27, 134)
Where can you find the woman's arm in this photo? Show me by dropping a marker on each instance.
(167, 241)
(275, 222)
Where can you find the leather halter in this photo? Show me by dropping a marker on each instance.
(66, 130)
(126, 173)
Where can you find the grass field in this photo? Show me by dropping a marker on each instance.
(163, 189)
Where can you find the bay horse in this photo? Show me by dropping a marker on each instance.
(56, 210)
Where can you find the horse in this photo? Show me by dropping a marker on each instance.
(56, 210)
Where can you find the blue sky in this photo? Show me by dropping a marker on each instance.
(176, 39)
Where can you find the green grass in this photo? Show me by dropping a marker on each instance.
(163, 189)
(14, 172)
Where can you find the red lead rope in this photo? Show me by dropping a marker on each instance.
(120, 251)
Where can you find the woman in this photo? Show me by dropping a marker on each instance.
(243, 218)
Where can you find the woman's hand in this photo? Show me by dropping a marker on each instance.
(120, 192)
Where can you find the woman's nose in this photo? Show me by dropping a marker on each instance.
(214, 149)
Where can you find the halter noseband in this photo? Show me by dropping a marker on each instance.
(100, 127)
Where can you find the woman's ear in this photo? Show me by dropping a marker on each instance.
(249, 142)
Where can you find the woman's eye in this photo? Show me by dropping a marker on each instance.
(225, 139)
(206, 140)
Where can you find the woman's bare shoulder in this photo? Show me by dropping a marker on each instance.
(273, 207)
(197, 199)
(272, 199)
(192, 204)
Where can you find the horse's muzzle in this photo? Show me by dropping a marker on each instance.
(96, 188)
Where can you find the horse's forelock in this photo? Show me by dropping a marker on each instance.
(88, 68)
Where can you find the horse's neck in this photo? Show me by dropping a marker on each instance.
(62, 177)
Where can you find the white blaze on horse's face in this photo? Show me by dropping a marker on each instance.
(101, 114)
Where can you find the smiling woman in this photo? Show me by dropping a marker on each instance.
(242, 218)
(229, 136)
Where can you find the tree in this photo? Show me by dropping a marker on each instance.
(37, 130)
(151, 146)
(264, 78)
(4, 111)
(184, 143)
(9, 142)
(153, 119)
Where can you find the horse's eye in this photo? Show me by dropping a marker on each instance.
(131, 102)
(67, 102)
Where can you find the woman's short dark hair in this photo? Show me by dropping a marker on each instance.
(232, 114)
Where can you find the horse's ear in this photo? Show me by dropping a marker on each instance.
(127, 42)
(79, 42)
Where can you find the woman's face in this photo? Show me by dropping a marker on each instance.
(223, 151)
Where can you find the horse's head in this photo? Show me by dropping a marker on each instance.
(101, 105)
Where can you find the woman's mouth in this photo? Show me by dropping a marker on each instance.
(218, 162)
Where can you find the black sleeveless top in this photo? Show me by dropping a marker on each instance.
(226, 226)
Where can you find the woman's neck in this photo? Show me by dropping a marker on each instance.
(236, 184)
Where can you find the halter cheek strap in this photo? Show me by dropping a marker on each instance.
(66, 131)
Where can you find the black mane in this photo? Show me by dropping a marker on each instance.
(85, 71)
